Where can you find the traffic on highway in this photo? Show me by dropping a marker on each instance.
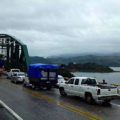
(39, 104)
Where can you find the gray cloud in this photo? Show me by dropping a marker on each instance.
(51, 27)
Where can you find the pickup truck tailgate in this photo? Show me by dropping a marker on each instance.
(111, 91)
(108, 90)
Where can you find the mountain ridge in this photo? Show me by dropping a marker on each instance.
(112, 60)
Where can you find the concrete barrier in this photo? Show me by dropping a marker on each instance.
(17, 117)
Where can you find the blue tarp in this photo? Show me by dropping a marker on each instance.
(34, 69)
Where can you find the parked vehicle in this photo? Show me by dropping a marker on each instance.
(42, 75)
(26, 82)
(12, 71)
(2, 71)
(1, 67)
(87, 88)
(18, 77)
(60, 80)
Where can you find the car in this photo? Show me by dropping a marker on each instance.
(18, 77)
(11, 72)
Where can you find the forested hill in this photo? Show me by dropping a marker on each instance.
(36, 59)
(86, 67)
(108, 60)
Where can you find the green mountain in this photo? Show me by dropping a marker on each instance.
(105, 60)
(101, 60)
(36, 59)
(87, 67)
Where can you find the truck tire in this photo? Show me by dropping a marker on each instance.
(89, 98)
(49, 88)
(15, 81)
(24, 84)
(62, 92)
(11, 81)
(33, 86)
(106, 101)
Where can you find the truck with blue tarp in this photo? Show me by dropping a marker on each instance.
(43, 75)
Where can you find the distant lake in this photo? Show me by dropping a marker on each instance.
(111, 78)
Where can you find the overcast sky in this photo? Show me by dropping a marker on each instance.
(53, 27)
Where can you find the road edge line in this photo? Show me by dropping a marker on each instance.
(10, 111)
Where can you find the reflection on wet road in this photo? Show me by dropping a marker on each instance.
(49, 105)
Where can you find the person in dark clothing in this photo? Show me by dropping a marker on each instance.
(104, 82)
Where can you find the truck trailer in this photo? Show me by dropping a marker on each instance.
(43, 75)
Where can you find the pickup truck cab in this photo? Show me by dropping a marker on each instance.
(11, 72)
(87, 88)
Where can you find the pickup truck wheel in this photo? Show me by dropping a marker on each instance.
(106, 101)
(88, 98)
(24, 84)
(62, 92)
(48, 88)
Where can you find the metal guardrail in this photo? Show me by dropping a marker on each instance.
(17, 117)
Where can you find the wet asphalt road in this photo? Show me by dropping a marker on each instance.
(5, 115)
(49, 105)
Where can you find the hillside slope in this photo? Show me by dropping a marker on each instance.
(110, 60)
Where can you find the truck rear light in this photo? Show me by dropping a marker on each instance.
(98, 92)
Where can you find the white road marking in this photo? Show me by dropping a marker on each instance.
(115, 104)
(10, 111)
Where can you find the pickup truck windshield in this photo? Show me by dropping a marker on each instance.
(21, 74)
(15, 70)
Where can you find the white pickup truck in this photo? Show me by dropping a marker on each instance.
(11, 72)
(87, 88)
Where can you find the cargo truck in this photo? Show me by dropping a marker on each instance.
(42, 76)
